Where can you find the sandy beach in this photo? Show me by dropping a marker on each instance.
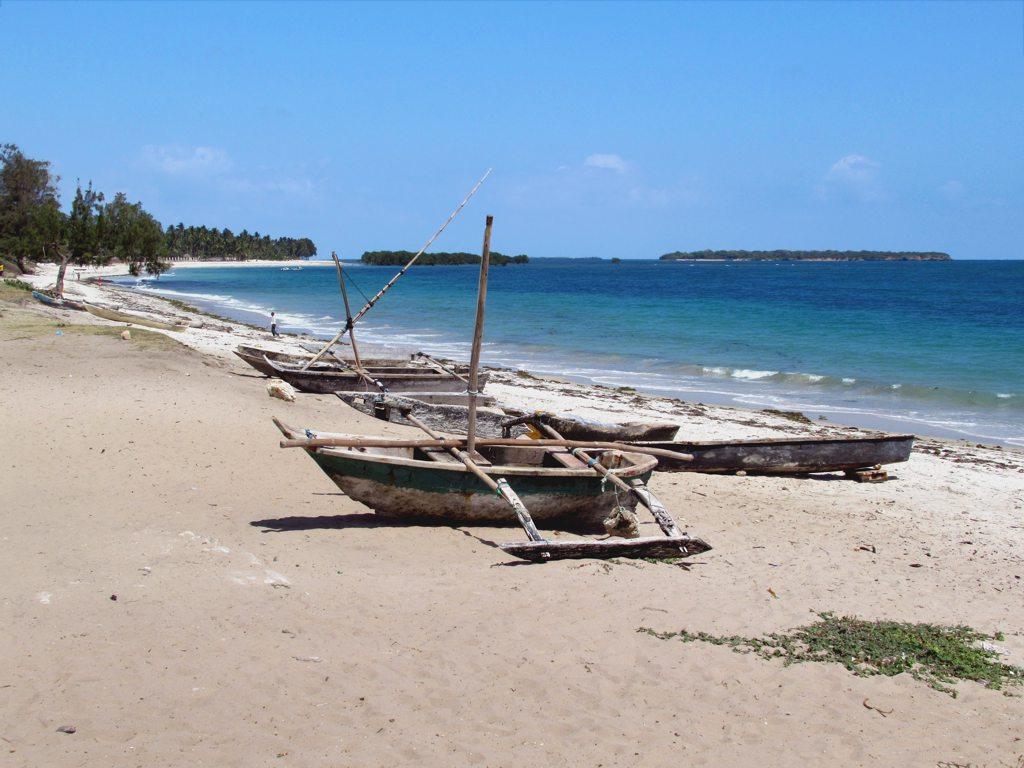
(182, 591)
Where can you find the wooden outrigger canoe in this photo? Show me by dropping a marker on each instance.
(398, 379)
(449, 412)
(64, 303)
(127, 317)
(428, 484)
(257, 358)
(786, 456)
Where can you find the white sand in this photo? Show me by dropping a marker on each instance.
(262, 618)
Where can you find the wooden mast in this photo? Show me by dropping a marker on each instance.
(478, 332)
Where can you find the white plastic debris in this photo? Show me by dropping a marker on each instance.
(281, 390)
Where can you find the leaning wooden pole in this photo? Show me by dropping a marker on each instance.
(387, 286)
(641, 491)
(478, 334)
(499, 486)
(348, 311)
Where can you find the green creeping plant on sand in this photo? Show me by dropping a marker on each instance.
(936, 655)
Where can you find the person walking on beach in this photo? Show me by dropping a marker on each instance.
(273, 323)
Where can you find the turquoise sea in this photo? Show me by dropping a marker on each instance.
(929, 347)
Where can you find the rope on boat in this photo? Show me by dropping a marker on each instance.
(354, 285)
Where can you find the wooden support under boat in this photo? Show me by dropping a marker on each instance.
(674, 544)
(648, 546)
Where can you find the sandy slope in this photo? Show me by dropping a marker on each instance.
(264, 619)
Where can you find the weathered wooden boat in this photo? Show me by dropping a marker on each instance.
(430, 484)
(449, 412)
(786, 456)
(128, 317)
(257, 358)
(52, 301)
(396, 379)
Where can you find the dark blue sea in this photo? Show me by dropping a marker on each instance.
(930, 347)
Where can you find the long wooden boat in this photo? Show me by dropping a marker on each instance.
(64, 303)
(257, 358)
(428, 483)
(787, 456)
(128, 317)
(397, 379)
(449, 412)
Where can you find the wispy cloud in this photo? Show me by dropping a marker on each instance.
(856, 176)
(187, 161)
(214, 168)
(607, 161)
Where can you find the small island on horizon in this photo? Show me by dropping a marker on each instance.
(785, 255)
(400, 258)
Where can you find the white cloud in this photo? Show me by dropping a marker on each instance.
(855, 176)
(608, 162)
(187, 161)
(853, 169)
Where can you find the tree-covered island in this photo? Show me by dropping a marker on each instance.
(783, 255)
(401, 258)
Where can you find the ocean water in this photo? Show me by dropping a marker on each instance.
(933, 347)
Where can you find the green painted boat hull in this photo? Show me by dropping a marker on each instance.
(452, 494)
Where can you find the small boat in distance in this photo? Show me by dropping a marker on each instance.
(406, 378)
(257, 358)
(128, 317)
(449, 412)
(786, 456)
(52, 301)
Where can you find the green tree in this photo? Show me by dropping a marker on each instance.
(134, 236)
(26, 185)
(84, 226)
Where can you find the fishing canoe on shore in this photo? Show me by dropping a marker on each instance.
(786, 456)
(127, 317)
(449, 412)
(406, 378)
(52, 301)
(257, 358)
(428, 483)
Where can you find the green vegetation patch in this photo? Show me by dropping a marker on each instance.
(17, 284)
(23, 325)
(936, 655)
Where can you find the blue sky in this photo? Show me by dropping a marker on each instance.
(613, 130)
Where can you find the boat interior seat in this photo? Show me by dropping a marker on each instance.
(566, 459)
(442, 456)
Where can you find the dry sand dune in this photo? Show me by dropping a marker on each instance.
(183, 592)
